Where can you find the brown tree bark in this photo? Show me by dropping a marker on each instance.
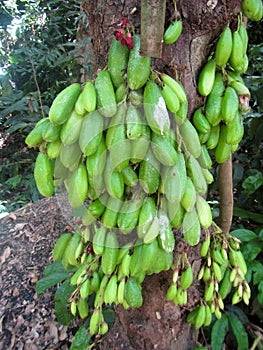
(159, 324)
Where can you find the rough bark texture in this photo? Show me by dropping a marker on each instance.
(159, 324)
(226, 195)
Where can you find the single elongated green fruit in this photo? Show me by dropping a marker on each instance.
(89, 97)
(200, 121)
(113, 181)
(177, 87)
(208, 176)
(69, 253)
(189, 197)
(121, 93)
(105, 94)
(190, 138)
(61, 245)
(173, 32)
(35, 135)
(213, 137)
(252, 9)
(187, 278)
(117, 62)
(99, 240)
(110, 254)
(83, 307)
(191, 228)
(176, 214)
(208, 316)
(146, 215)
(153, 231)
(236, 258)
(237, 53)
(43, 175)
(164, 261)
(206, 78)
(138, 70)
(71, 129)
(203, 211)
(139, 146)
(95, 163)
(170, 97)
(53, 149)
(63, 104)
(133, 293)
(51, 132)
(171, 292)
(136, 97)
(204, 159)
(78, 186)
(225, 285)
(130, 177)
(244, 36)
(149, 253)
(155, 109)
(95, 209)
(230, 104)
(166, 235)
(70, 155)
(85, 289)
(205, 246)
(224, 47)
(91, 133)
(195, 172)
(136, 257)
(79, 106)
(223, 149)
(200, 318)
(120, 291)
(214, 101)
(181, 115)
(94, 322)
(110, 293)
(133, 123)
(235, 130)
(163, 150)
(149, 173)
(110, 215)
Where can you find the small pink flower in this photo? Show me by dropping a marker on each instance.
(124, 21)
(124, 41)
(119, 36)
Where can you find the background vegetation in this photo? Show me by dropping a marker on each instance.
(39, 57)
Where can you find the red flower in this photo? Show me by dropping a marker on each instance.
(118, 36)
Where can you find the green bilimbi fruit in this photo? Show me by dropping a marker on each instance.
(244, 36)
(176, 214)
(237, 53)
(89, 97)
(110, 293)
(53, 149)
(203, 211)
(121, 93)
(224, 47)
(223, 149)
(129, 215)
(155, 109)
(69, 254)
(139, 146)
(95, 163)
(166, 235)
(79, 106)
(95, 209)
(146, 216)
(35, 135)
(61, 245)
(236, 258)
(78, 186)
(110, 254)
(83, 307)
(51, 132)
(225, 285)
(149, 173)
(252, 9)
(133, 293)
(204, 159)
(70, 156)
(173, 32)
(117, 62)
(149, 253)
(85, 289)
(181, 115)
(113, 181)
(230, 105)
(214, 101)
(63, 104)
(136, 257)
(201, 315)
(105, 94)
(110, 215)
(208, 317)
(99, 240)
(71, 129)
(200, 122)
(133, 123)
(136, 97)
(94, 321)
(139, 67)
(206, 78)
(91, 133)
(153, 231)
(43, 175)
(190, 138)
(235, 130)
(208, 176)
(164, 261)
(177, 88)
(163, 150)
(205, 246)
(187, 278)
(191, 228)
(170, 97)
(195, 172)
(130, 177)
(213, 138)
(189, 196)
(120, 291)
(171, 292)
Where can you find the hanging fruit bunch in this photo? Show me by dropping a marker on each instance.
(139, 169)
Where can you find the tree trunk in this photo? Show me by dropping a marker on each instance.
(159, 324)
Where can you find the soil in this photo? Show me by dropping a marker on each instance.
(27, 321)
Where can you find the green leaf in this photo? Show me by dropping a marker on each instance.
(61, 303)
(50, 281)
(81, 339)
(245, 214)
(251, 250)
(239, 332)
(260, 293)
(244, 235)
(219, 332)
(54, 267)
(252, 183)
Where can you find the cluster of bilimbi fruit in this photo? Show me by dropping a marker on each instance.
(127, 154)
